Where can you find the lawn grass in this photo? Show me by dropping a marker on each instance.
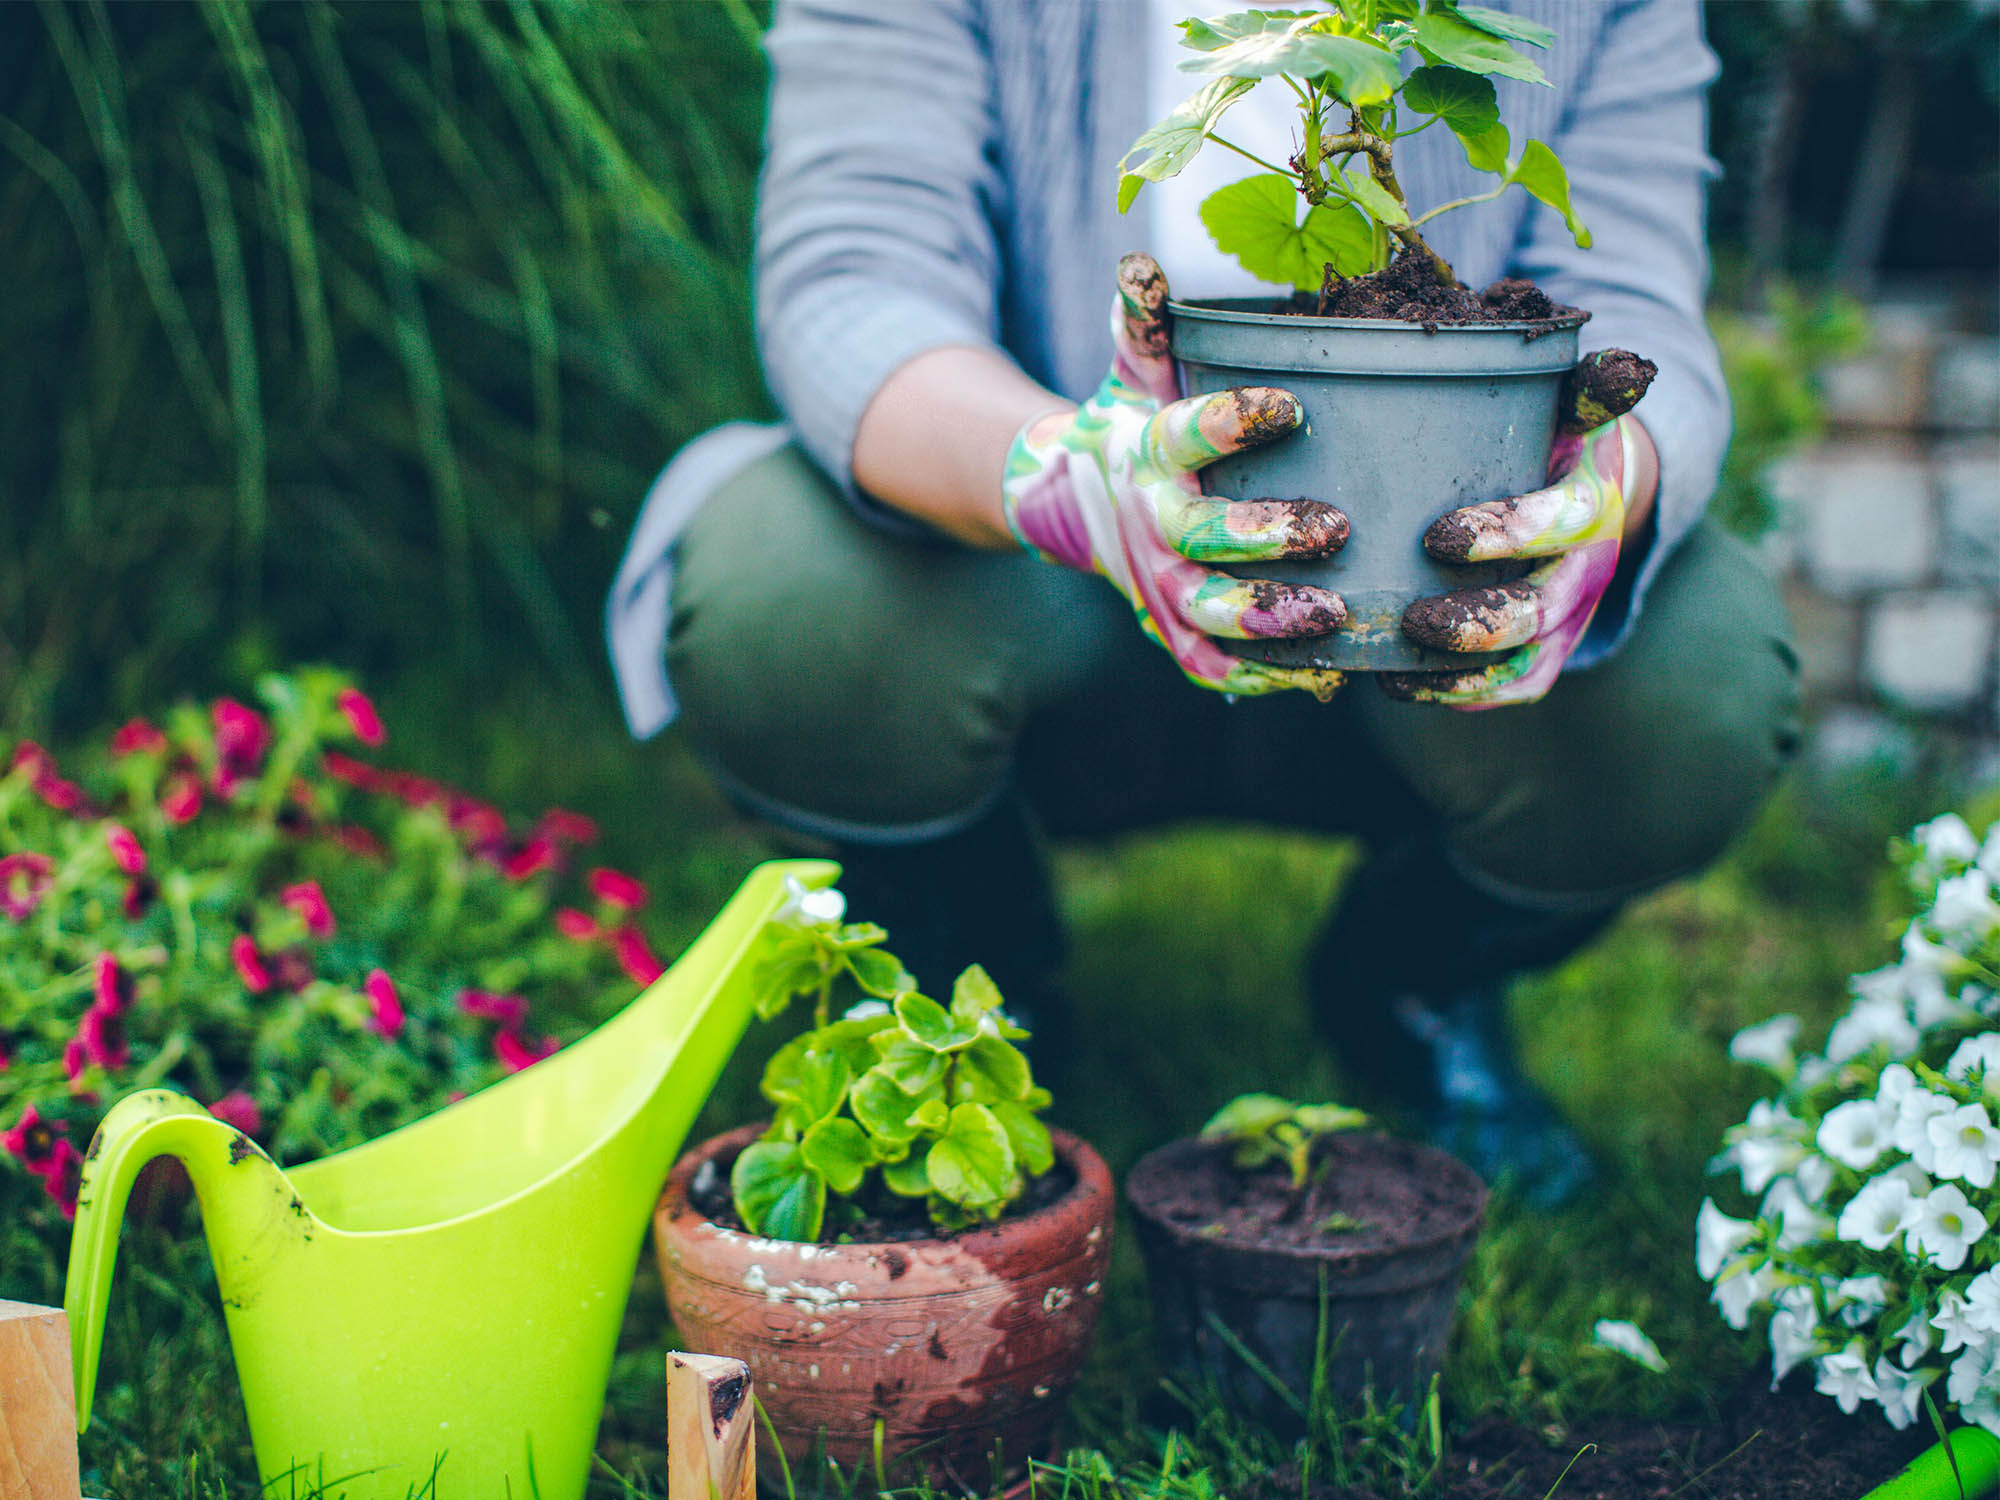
(1187, 944)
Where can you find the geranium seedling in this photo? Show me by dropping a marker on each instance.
(1262, 1129)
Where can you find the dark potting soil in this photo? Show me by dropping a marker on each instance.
(1361, 1196)
(1408, 290)
(883, 1220)
(1793, 1444)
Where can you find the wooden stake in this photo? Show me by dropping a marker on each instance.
(37, 1405)
(710, 1420)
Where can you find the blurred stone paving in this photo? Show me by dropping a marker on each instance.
(1888, 543)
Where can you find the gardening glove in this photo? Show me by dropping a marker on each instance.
(1111, 489)
(1576, 523)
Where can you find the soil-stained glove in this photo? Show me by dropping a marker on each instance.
(1576, 523)
(1111, 489)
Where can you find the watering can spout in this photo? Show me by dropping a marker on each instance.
(249, 1210)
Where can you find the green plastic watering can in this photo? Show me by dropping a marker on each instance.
(444, 1300)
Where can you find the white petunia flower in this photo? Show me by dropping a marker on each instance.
(1879, 986)
(1911, 1132)
(1870, 1023)
(1965, 907)
(1770, 1141)
(1735, 1295)
(1767, 1044)
(1945, 842)
(1976, 1055)
(1988, 858)
(1813, 1071)
(1982, 1300)
(1628, 1339)
(1917, 1337)
(1878, 1213)
(1975, 1374)
(1814, 1175)
(1854, 1133)
(1946, 1227)
(808, 908)
(1845, 1377)
(1794, 1339)
(1859, 1299)
(1716, 1238)
(1964, 1144)
(1953, 1319)
(1901, 1391)
(1922, 956)
(1799, 1221)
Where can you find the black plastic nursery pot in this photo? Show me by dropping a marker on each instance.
(1403, 423)
(1243, 1302)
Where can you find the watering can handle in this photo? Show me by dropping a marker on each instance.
(138, 1129)
(1970, 1455)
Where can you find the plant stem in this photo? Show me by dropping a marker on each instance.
(1252, 156)
(1459, 203)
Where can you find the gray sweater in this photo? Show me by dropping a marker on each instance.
(944, 172)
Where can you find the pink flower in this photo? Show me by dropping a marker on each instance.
(32, 1141)
(249, 964)
(309, 901)
(64, 1176)
(533, 857)
(238, 1109)
(356, 773)
(481, 825)
(361, 716)
(384, 1004)
(125, 850)
(291, 969)
(138, 737)
(180, 798)
(139, 895)
(578, 925)
(615, 888)
(103, 1038)
(412, 791)
(635, 957)
(565, 827)
(516, 1054)
(24, 880)
(114, 986)
(241, 735)
(509, 1010)
(73, 1061)
(63, 796)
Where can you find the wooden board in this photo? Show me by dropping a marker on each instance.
(37, 1405)
(710, 1418)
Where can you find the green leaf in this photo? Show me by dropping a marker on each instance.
(1464, 101)
(1540, 173)
(880, 974)
(790, 967)
(1374, 198)
(911, 1066)
(1487, 151)
(1513, 28)
(859, 935)
(988, 1071)
(1443, 37)
(1220, 31)
(1255, 220)
(929, 1024)
(813, 1080)
(1246, 1115)
(886, 1111)
(1173, 142)
(1029, 1137)
(973, 994)
(839, 1151)
(1325, 1119)
(910, 1177)
(777, 1194)
(1358, 69)
(931, 1116)
(972, 1163)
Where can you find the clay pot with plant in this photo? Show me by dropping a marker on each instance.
(1292, 1255)
(909, 1260)
(1419, 395)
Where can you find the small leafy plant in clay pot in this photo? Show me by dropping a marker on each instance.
(1290, 1252)
(1420, 395)
(907, 1258)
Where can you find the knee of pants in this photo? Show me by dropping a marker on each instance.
(819, 671)
(1648, 770)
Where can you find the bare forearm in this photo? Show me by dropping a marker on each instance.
(933, 443)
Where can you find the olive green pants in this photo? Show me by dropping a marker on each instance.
(878, 689)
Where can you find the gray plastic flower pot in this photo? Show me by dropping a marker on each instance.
(1401, 426)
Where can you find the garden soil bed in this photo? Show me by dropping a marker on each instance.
(1791, 1445)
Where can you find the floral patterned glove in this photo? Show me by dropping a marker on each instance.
(1575, 523)
(1111, 489)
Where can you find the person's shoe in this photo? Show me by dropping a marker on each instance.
(1484, 1110)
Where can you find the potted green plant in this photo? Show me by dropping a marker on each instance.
(1287, 1250)
(1420, 396)
(907, 1258)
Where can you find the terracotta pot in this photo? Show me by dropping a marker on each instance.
(961, 1348)
(1388, 1308)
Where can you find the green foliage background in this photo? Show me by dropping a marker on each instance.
(351, 329)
